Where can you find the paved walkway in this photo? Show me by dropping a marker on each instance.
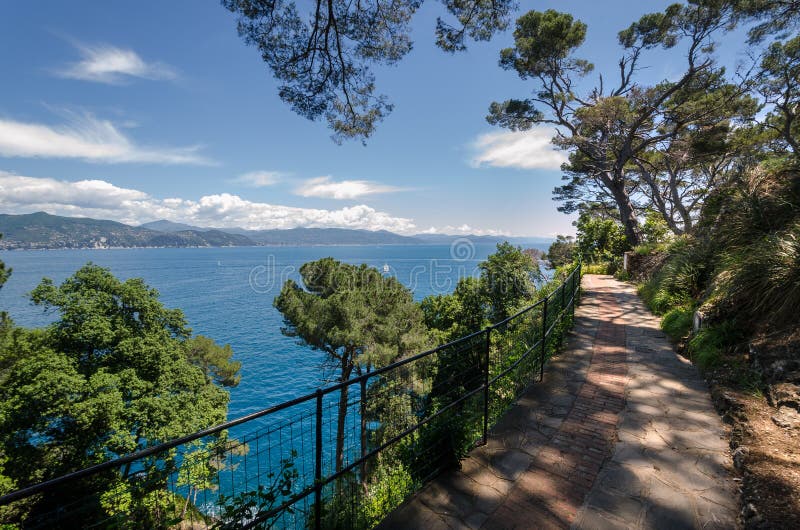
(621, 434)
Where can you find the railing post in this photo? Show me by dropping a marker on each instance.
(363, 429)
(563, 308)
(576, 286)
(544, 340)
(487, 348)
(318, 465)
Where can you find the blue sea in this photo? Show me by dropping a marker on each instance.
(227, 294)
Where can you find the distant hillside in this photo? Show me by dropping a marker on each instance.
(168, 226)
(447, 239)
(297, 236)
(329, 236)
(44, 231)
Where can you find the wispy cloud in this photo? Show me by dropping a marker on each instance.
(327, 188)
(521, 149)
(103, 200)
(88, 138)
(259, 179)
(108, 64)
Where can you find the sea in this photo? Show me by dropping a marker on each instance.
(227, 294)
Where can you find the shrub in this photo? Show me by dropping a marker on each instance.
(765, 280)
(677, 322)
(708, 345)
(603, 267)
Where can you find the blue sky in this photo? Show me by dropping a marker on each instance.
(137, 112)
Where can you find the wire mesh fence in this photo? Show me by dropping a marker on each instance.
(341, 457)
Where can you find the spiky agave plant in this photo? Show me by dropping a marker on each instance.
(765, 282)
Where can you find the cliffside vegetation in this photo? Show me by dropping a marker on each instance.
(115, 373)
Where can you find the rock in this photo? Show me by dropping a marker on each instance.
(728, 405)
(785, 395)
(787, 418)
(739, 455)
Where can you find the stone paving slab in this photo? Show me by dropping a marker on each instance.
(621, 434)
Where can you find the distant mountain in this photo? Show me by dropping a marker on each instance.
(298, 236)
(168, 226)
(329, 236)
(44, 231)
(216, 238)
(447, 239)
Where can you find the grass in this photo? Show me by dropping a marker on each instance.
(708, 346)
(677, 322)
(604, 267)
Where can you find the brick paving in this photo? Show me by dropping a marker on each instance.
(621, 434)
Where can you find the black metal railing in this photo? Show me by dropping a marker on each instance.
(340, 457)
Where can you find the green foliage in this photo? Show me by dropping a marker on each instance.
(352, 313)
(322, 57)
(389, 487)
(616, 135)
(773, 17)
(214, 360)
(4, 272)
(600, 240)
(654, 228)
(683, 278)
(109, 377)
(358, 317)
(249, 504)
(457, 314)
(562, 251)
(507, 277)
(677, 322)
(542, 41)
(603, 267)
(709, 345)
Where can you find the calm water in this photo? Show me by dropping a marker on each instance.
(227, 294)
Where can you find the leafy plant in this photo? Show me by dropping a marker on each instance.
(709, 344)
(249, 506)
(677, 322)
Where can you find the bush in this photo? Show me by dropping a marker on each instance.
(677, 322)
(764, 283)
(682, 280)
(604, 267)
(709, 345)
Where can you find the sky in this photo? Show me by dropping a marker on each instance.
(159, 110)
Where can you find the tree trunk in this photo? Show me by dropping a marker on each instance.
(347, 369)
(627, 215)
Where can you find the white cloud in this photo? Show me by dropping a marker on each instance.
(521, 149)
(87, 138)
(259, 179)
(327, 188)
(468, 230)
(111, 65)
(103, 200)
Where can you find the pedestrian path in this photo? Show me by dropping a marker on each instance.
(621, 434)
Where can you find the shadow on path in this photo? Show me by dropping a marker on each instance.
(621, 434)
